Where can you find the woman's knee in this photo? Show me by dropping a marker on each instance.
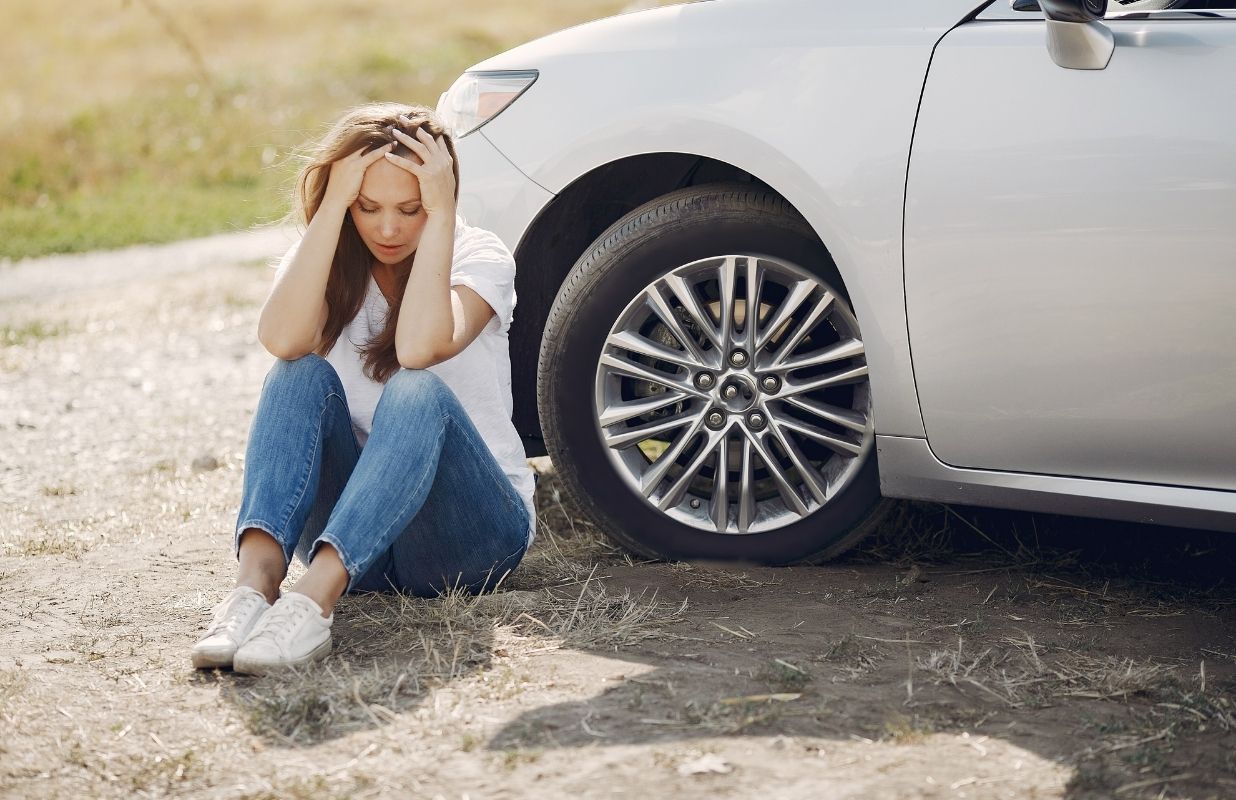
(308, 370)
(416, 388)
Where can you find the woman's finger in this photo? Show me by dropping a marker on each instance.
(428, 139)
(373, 155)
(406, 163)
(414, 145)
(441, 142)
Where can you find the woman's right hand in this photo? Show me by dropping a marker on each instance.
(347, 174)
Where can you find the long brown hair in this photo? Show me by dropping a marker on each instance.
(367, 127)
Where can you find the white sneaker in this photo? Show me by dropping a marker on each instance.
(233, 619)
(292, 633)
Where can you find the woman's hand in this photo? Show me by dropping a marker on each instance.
(347, 173)
(434, 172)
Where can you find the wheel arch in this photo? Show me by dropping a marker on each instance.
(562, 230)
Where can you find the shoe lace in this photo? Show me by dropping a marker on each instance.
(231, 615)
(280, 623)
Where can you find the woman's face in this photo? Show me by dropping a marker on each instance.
(388, 213)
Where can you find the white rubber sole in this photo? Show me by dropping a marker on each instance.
(206, 659)
(253, 666)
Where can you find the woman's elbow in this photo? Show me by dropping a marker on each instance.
(282, 347)
(279, 345)
(417, 358)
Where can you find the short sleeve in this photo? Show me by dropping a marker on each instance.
(485, 265)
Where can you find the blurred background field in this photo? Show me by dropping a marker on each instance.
(125, 121)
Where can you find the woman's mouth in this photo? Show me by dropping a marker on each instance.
(388, 248)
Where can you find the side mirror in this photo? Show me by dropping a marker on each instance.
(1074, 10)
(1076, 39)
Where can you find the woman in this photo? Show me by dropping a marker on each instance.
(382, 451)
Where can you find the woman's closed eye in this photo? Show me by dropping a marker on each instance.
(407, 212)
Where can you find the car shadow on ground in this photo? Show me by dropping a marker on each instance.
(1105, 647)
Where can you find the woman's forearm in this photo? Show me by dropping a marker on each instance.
(426, 323)
(293, 315)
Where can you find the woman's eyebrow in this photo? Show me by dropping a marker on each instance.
(414, 201)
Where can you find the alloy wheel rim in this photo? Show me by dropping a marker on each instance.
(731, 423)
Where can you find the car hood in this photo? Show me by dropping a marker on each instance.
(796, 22)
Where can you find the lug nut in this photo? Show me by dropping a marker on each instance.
(770, 384)
(756, 420)
(738, 358)
(705, 380)
(715, 419)
(695, 502)
(730, 392)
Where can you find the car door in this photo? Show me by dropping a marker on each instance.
(1070, 252)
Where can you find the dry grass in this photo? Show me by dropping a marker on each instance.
(716, 578)
(393, 648)
(150, 121)
(12, 682)
(596, 618)
(1023, 673)
(852, 656)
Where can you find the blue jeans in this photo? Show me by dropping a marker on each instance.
(423, 507)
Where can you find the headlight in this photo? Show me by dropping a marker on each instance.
(477, 97)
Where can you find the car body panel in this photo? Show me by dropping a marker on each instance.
(1069, 254)
(908, 469)
(493, 193)
(719, 80)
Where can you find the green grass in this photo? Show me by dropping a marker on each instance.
(116, 131)
(12, 335)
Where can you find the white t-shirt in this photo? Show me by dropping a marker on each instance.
(479, 375)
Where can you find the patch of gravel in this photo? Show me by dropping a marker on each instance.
(35, 279)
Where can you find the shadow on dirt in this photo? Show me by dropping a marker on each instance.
(1108, 647)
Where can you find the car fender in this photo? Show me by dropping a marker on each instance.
(719, 80)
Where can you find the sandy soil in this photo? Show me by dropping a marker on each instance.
(967, 654)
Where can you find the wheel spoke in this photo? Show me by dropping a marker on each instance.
(751, 319)
(845, 417)
(818, 312)
(652, 478)
(628, 436)
(815, 484)
(746, 495)
(774, 471)
(674, 494)
(798, 293)
(847, 348)
(790, 388)
(640, 345)
(719, 509)
(621, 412)
(633, 370)
(843, 446)
(727, 279)
(691, 304)
(667, 316)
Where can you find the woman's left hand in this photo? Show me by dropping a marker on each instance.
(434, 172)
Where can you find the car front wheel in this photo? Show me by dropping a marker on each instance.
(703, 384)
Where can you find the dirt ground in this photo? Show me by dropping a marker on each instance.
(960, 653)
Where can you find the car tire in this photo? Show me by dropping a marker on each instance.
(653, 496)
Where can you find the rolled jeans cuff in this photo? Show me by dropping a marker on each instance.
(265, 526)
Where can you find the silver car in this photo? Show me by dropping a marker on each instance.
(779, 259)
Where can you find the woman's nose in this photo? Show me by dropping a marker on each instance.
(389, 226)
